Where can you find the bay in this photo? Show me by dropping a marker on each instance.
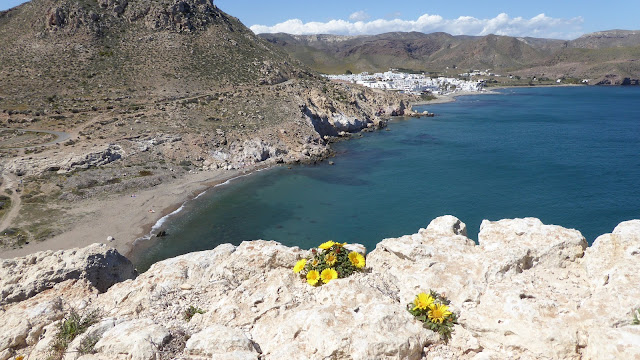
(567, 155)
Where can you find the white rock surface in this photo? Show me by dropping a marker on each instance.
(527, 291)
(22, 278)
(138, 339)
(220, 341)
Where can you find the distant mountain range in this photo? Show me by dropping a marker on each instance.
(606, 57)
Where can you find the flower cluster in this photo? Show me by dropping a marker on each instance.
(433, 310)
(330, 261)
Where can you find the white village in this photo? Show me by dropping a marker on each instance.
(416, 84)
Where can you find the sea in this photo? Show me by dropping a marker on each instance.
(569, 156)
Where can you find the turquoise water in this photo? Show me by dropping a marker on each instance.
(569, 156)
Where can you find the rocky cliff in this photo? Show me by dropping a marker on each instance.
(158, 89)
(526, 291)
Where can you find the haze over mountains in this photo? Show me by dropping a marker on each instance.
(606, 57)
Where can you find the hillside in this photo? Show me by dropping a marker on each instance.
(143, 93)
(606, 39)
(606, 57)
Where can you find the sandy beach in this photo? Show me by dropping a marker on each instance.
(127, 217)
(441, 99)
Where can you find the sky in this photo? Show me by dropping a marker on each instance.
(559, 19)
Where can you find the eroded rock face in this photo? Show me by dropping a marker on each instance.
(22, 278)
(98, 156)
(527, 291)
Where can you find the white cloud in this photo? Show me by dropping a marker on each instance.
(359, 16)
(538, 26)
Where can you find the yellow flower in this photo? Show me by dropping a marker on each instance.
(438, 312)
(328, 275)
(330, 259)
(422, 301)
(314, 263)
(326, 245)
(19, 357)
(357, 259)
(299, 265)
(312, 277)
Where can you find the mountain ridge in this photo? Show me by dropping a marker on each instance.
(590, 56)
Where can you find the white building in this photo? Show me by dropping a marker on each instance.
(410, 83)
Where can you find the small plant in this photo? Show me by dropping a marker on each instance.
(333, 261)
(433, 311)
(636, 317)
(87, 345)
(72, 326)
(192, 310)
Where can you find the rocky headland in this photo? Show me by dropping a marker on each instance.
(102, 100)
(525, 291)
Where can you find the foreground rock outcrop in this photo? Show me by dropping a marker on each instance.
(526, 291)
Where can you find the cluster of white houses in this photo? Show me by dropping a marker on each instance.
(410, 83)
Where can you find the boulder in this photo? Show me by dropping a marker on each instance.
(229, 342)
(520, 244)
(343, 319)
(25, 323)
(22, 278)
(138, 339)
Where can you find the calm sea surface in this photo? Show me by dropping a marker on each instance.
(569, 156)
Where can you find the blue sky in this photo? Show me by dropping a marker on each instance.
(564, 19)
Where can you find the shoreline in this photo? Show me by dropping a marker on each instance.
(146, 239)
(443, 99)
(132, 219)
(129, 217)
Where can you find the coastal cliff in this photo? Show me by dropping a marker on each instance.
(111, 98)
(525, 291)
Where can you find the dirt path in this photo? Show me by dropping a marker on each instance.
(10, 182)
(61, 136)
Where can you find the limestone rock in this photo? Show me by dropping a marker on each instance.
(36, 165)
(520, 244)
(359, 248)
(447, 226)
(612, 265)
(424, 261)
(527, 291)
(22, 278)
(25, 323)
(229, 342)
(346, 318)
(140, 339)
(613, 343)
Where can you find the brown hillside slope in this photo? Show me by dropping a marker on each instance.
(155, 90)
(607, 57)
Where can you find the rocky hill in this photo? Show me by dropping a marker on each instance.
(154, 90)
(526, 291)
(606, 39)
(416, 51)
(606, 57)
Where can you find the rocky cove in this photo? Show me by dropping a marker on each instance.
(525, 291)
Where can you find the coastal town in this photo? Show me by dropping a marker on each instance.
(415, 84)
